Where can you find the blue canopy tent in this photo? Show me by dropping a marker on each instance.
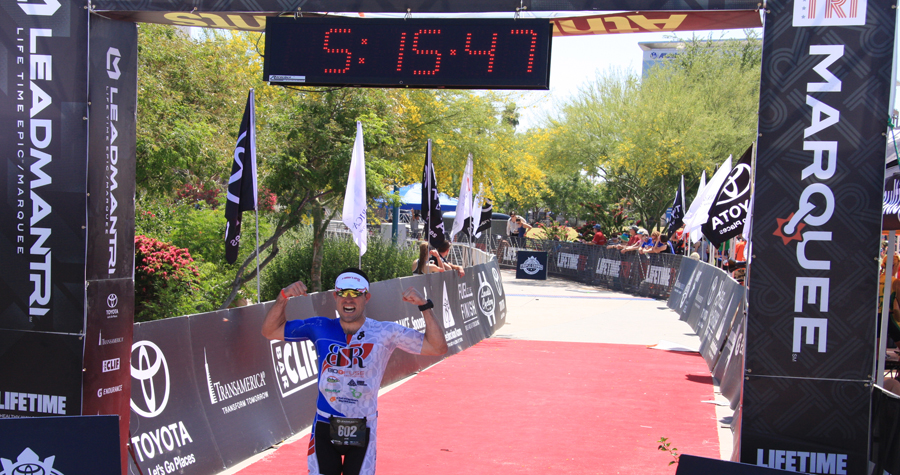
(411, 197)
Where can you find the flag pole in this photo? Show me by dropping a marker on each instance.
(258, 276)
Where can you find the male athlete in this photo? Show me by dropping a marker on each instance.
(352, 354)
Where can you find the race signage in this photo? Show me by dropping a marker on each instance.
(531, 265)
(819, 172)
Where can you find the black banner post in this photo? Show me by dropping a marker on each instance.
(825, 90)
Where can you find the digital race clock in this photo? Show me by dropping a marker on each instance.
(426, 53)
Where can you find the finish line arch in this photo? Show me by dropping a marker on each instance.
(68, 126)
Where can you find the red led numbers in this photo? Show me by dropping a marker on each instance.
(400, 51)
(534, 37)
(344, 51)
(436, 53)
(488, 52)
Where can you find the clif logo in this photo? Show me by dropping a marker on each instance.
(28, 463)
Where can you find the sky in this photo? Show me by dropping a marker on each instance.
(575, 60)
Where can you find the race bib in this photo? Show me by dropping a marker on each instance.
(348, 431)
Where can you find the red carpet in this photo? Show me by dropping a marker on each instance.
(534, 407)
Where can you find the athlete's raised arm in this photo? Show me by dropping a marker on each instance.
(434, 343)
(273, 325)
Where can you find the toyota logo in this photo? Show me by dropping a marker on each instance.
(152, 373)
(112, 300)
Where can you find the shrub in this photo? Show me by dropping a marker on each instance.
(382, 261)
(164, 277)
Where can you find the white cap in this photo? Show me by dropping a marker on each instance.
(351, 280)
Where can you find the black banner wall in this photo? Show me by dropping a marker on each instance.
(58, 445)
(42, 113)
(208, 390)
(169, 429)
(42, 110)
(109, 267)
(824, 96)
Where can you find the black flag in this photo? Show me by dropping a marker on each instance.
(487, 210)
(242, 184)
(677, 218)
(431, 205)
(729, 211)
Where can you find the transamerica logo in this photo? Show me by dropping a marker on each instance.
(449, 321)
(815, 206)
(220, 392)
(28, 463)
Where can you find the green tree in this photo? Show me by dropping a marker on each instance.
(640, 136)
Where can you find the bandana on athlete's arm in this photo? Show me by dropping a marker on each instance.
(351, 280)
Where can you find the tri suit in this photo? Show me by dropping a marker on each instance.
(350, 372)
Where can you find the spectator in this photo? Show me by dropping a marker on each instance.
(523, 229)
(647, 241)
(599, 238)
(660, 243)
(414, 224)
(512, 229)
(440, 260)
(634, 241)
(423, 265)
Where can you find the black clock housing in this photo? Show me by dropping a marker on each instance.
(421, 53)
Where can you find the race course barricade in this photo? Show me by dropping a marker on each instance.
(209, 391)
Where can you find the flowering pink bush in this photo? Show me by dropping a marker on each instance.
(163, 273)
(199, 192)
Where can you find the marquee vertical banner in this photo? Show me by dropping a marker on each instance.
(43, 135)
(824, 96)
(112, 79)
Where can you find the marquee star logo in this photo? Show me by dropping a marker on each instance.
(780, 230)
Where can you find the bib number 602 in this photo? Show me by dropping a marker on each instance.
(347, 431)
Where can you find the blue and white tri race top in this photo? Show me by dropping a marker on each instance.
(351, 366)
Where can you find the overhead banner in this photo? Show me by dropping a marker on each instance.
(617, 23)
(819, 172)
(655, 22)
(411, 6)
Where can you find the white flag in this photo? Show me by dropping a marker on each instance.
(706, 200)
(464, 206)
(476, 212)
(354, 215)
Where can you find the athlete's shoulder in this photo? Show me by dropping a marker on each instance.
(309, 327)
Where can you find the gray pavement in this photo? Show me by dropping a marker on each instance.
(566, 311)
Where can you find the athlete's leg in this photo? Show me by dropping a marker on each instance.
(324, 458)
(361, 461)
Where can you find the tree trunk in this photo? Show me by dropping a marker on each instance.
(315, 274)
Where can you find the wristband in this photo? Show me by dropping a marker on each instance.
(284, 295)
(428, 304)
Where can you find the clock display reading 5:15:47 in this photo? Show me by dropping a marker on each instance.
(477, 53)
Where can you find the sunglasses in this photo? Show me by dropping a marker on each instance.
(352, 293)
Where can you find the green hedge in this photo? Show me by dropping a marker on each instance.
(382, 261)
